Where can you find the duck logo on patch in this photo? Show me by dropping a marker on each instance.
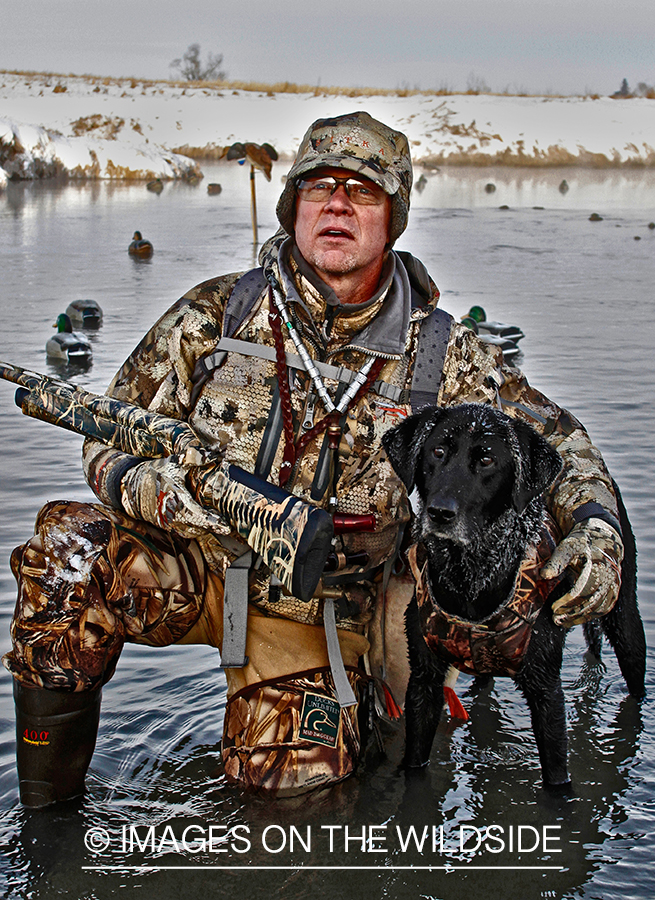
(319, 720)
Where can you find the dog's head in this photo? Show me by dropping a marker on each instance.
(470, 464)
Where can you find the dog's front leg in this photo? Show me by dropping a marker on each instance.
(539, 680)
(424, 699)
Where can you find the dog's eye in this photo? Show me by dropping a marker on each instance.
(439, 452)
(486, 461)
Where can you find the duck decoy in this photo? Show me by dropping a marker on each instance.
(490, 187)
(421, 183)
(508, 347)
(500, 329)
(140, 247)
(68, 345)
(156, 186)
(563, 188)
(86, 313)
(214, 188)
(260, 156)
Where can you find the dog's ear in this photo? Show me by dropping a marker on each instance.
(404, 442)
(537, 467)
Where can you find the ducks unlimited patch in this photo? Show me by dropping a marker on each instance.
(319, 719)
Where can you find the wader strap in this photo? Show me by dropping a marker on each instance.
(343, 690)
(235, 613)
(245, 294)
(430, 357)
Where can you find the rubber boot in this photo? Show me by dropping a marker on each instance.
(55, 737)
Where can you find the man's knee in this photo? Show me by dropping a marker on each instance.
(88, 580)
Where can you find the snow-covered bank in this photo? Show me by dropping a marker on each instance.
(31, 151)
(108, 128)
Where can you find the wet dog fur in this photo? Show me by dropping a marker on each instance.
(480, 477)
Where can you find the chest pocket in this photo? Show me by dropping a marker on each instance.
(233, 410)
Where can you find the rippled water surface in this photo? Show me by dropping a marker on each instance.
(583, 294)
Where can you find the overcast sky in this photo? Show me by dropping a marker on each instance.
(561, 46)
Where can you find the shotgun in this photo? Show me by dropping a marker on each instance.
(293, 538)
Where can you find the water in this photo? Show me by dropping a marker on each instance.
(582, 293)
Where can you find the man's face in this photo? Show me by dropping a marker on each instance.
(338, 237)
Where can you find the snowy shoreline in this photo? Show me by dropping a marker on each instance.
(86, 127)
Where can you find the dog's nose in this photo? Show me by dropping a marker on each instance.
(442, 513)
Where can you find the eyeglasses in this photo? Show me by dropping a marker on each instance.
(318, 190)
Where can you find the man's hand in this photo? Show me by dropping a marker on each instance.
(593, 551)
(156, 492)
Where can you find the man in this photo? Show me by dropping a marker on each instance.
(292, 372)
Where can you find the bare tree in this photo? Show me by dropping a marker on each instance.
(192, 69)
(624, 90)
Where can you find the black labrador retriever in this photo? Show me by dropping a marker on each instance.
(480, 536)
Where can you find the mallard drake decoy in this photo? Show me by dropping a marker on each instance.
(140, 247)
(68, 345)
(500, 329)
(86, 313)
(508, 347)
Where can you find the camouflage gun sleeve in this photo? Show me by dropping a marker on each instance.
(293, 538)
(474, 373)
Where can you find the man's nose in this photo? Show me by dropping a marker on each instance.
(339, 201)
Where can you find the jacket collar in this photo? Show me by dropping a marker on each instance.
(403, 294)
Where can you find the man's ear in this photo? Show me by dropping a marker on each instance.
(537, 466)
(403, 444)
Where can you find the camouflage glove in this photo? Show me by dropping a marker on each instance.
(593, 551)
(156, 492)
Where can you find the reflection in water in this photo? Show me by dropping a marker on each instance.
(580, 291)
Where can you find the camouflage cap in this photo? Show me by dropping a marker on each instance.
(357, 142)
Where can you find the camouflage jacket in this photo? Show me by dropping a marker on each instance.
(231, 410)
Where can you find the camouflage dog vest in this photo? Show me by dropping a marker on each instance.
(497, 644)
